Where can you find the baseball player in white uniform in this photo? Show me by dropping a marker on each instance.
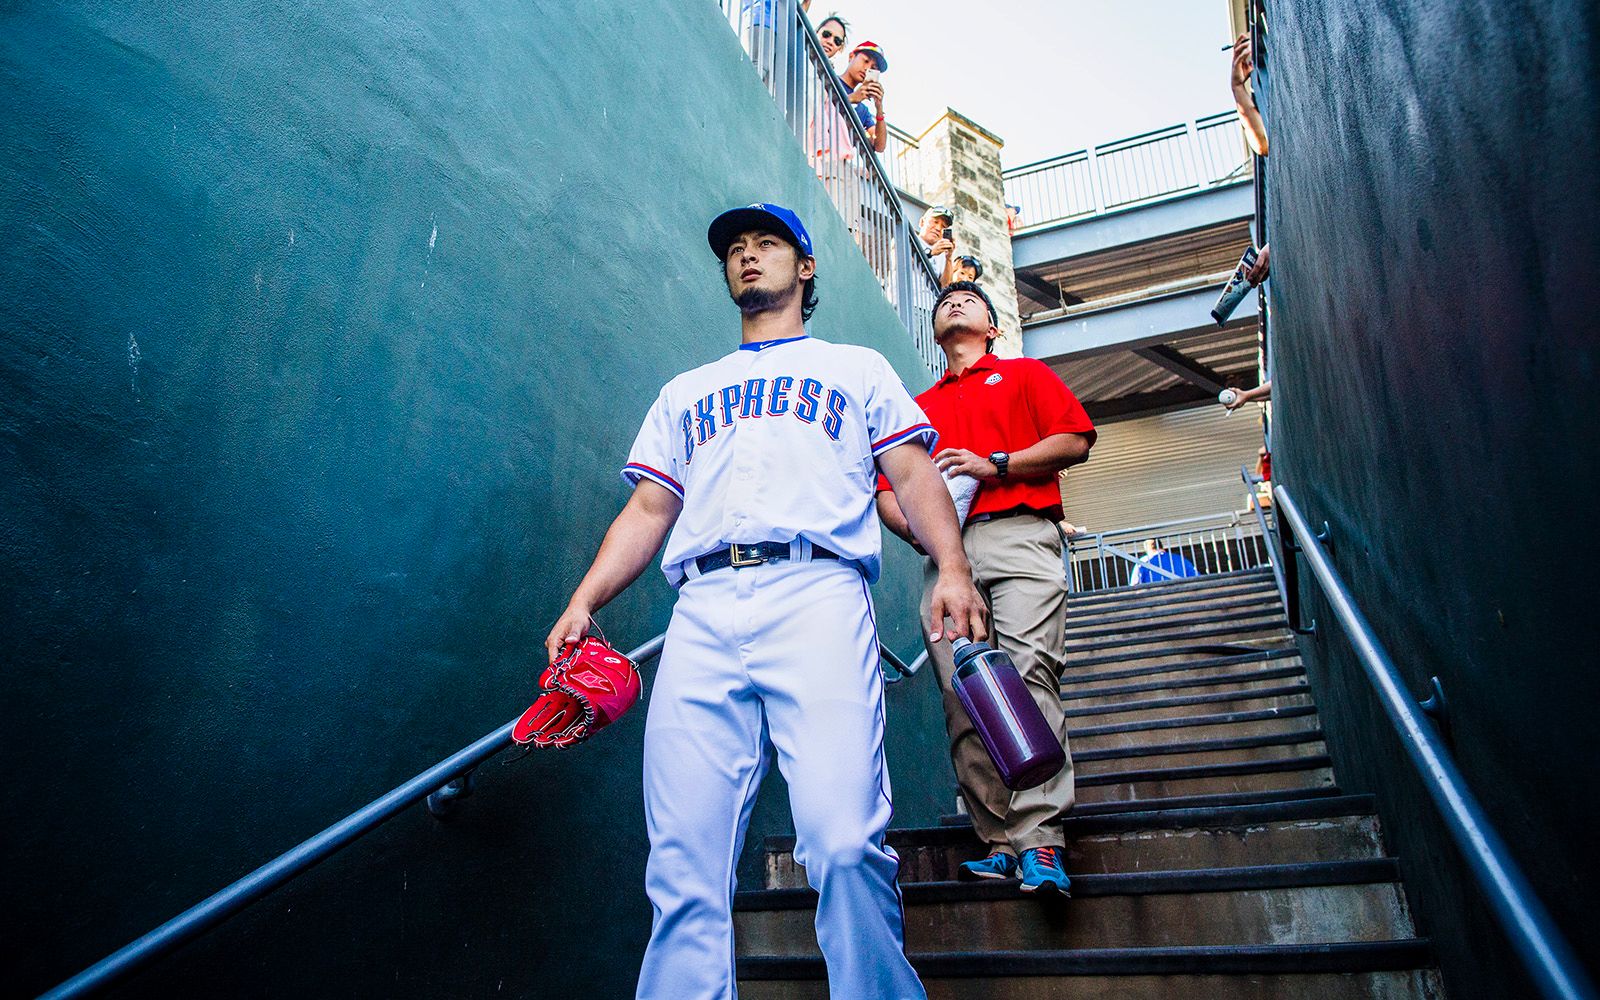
(762, 467)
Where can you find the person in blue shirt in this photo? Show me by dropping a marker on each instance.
(1160, 564)
(860, 78)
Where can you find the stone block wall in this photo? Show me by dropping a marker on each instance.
(961, 167)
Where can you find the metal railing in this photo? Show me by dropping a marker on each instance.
(907, 165)
(789, 58)
(450, 779)
(1268, 532)
(1215, 543)
(1204, 153)
(1535, 938)
(441, 786)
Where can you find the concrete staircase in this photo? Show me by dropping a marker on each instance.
(1212, 853)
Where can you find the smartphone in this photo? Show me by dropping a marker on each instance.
(872, 76)
(948, 233)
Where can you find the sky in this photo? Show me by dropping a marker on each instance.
(1046, 76)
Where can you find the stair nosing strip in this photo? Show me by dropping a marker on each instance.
(1279, 623)
(1290, 738)
(1272, 765)
(1230, 602)
(1183, 701)
(1213, 817)
(1248, 878)
(1274, 613)
(1206, 680)
(1234, 649)
(1261, 656)
(1190, 721)
(1218, 798)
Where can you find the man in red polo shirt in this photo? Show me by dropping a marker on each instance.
(1013, 426)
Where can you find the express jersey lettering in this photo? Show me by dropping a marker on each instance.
(774, 442)
(748, 400)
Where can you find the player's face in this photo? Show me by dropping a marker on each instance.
(961, 312)
(764, 271)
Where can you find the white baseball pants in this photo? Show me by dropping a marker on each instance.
(784, 653)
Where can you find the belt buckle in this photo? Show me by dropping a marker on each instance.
(738, 561)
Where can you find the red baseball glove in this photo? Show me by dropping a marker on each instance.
(588, 688)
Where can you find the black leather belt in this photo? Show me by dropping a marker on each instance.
(997, 515)
(754, 554)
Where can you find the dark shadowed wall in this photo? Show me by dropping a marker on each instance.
(1435, 215)
(326, 329)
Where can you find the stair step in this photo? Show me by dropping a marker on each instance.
(1183, 604)
(1267, 746)
(1327, 829)
(1277, 623)
(1182, 802)
(1260, 904)
(1187, 772)
(1255, 722)
(1077, 677)
(1245, 696)
(1367, 970)
(1220, 725)
(1178, 653)
(1166, 609)
(1138, 626)
(1107, 694)
(1261, 776)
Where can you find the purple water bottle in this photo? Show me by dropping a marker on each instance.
(1022, 745)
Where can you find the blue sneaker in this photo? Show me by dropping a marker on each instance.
(998, 864)
(1041, 871)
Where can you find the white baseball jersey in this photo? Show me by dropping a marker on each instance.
(777, 441)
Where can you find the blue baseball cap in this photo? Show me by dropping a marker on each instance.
(771, 218)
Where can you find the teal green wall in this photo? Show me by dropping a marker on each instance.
(1436, 284)
(327, 327)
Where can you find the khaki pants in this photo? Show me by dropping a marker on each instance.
(1016, 563)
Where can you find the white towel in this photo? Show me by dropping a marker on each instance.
(963, 490)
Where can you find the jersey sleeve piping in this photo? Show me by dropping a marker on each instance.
(925, 431)
(635, 471)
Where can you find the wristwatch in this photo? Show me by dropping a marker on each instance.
(1002, 463)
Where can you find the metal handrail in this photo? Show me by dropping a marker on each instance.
(1544, 951)
(449, 779)
(1251, 481)
(205, 915)
(903, 669)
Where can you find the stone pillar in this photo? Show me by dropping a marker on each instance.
(960, 165)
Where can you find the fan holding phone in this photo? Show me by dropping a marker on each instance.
(937, 230)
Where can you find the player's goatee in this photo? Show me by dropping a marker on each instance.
(759, 300)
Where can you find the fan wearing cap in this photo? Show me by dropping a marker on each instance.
(937, 232)
(757, 472)
(1012, 425)
(861, 79)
